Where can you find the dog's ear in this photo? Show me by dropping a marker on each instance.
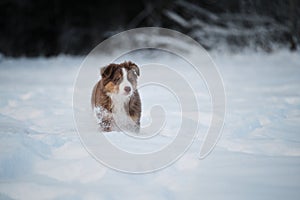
(107, 70)
(135, 68)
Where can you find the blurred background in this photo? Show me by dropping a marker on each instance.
(255, 46)
(51, 27)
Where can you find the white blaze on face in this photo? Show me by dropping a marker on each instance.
(121, 119)
(125, 87)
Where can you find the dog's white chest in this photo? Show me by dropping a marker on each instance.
(119, 113)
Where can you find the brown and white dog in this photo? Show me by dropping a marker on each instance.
(115, 99)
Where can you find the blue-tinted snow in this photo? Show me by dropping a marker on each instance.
(258, 156)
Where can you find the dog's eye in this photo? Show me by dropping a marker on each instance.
(116, 79)
(132, 75)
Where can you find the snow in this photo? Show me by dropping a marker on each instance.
(177, 18)
(258, 156)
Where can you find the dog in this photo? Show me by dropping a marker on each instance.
(115, 98)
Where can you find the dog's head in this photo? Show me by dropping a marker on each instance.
(120, 79)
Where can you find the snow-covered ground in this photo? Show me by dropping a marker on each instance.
(257, 157)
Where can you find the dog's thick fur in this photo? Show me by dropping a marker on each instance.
(109, 100)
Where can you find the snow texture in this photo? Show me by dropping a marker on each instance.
(258, 156)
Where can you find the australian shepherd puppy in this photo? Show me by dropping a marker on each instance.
(115, 99)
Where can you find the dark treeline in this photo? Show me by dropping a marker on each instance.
(51, 27)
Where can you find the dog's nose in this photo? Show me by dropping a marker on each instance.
(127, 89)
